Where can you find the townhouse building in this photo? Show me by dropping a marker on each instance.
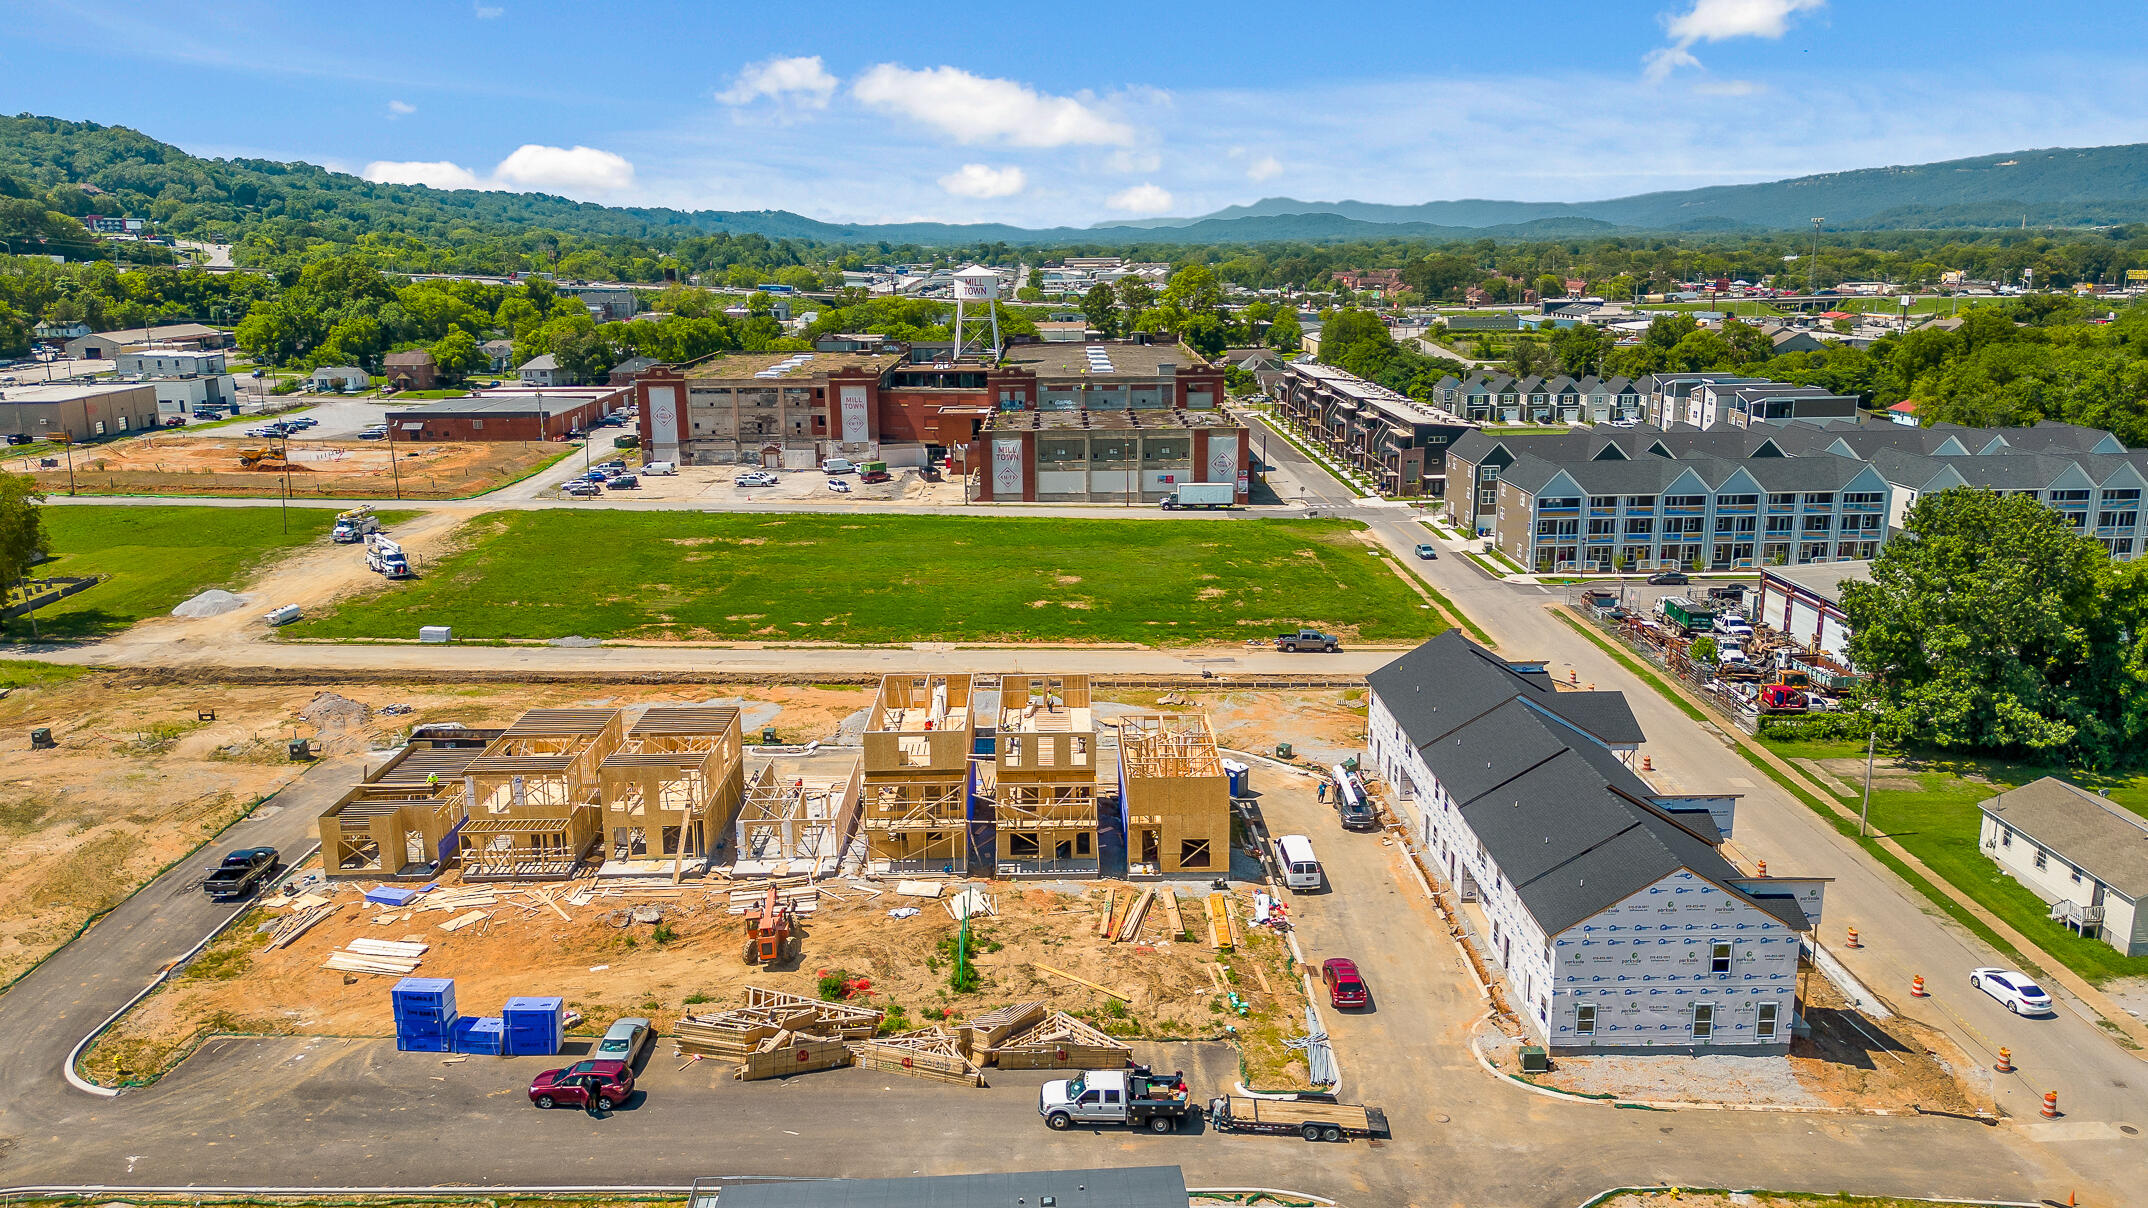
(1497, 398)
(1398, 442)
(1607, 904)
(2096, 494)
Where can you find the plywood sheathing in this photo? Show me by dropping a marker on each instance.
(1177, 798)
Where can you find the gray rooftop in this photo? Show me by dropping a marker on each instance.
(494, 404)
(2103, 840)
(1822, 579)
(67, 392)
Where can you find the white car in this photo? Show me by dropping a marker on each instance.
(2013, 990)
(839, 486)
(755, 478)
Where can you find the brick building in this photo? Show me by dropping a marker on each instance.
(504, 416)
(412, 370)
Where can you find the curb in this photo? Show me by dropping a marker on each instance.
(1663, 1188)
(75, 1054)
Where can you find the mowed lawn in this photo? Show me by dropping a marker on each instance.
(1938, 823)
(156, 559)
(820, 578)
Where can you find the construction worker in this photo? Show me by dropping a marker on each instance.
(1323, 792)
(432, 779)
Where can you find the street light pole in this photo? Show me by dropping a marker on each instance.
(1864, 814)
(283, 453)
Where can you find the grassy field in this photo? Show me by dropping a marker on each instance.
(156, 558)
(825, 578)
(1937, 822)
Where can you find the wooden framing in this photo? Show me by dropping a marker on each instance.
(400, 822)
(1042, 798)
(533, 797)
(788, 1053)
(738, 1033)
(929, 1053)
(795, 824)
(919, 740)
(673, 786)
(1174, 796)
(1061, 1042)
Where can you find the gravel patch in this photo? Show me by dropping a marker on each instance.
(1714, 1078)
(214, 602)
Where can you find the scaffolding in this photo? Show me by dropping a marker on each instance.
(794, 822)
(919, 739)
(1174, 797)
(671, 789)
(1039, 791)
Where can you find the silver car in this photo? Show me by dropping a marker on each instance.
(625, 1041)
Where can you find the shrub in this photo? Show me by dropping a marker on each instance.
(831, 984)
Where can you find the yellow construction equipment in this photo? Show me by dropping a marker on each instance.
(262, 458)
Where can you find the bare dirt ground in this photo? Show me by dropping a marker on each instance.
(1760, 1199)
(690, 962)
(1323, 726)
(182, 465)
(139, 780)
(1850, 1061)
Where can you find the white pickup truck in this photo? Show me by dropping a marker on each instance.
(1132, 1097)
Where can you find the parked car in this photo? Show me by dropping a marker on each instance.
(1345, 987)
(582, 488)
(1427, 550)
(625, 1041)
(623, 482)
(614, 466)
(1669, 578)
(595, 476)
(303, 421)
(2013, 990)
(839, 486)
(755, 478)
(659, 469)
(611, 1081)
(838, 465)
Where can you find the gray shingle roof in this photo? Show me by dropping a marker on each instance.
(2103, 840)
(1450, 681)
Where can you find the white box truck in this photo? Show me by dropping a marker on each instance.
(1200, 495)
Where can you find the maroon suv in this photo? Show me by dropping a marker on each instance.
(1345, 987)
(611, 1081)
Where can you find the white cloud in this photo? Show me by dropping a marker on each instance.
(803, 79)
(486, 12)
(978, 180)
(1719, 20)
(977, 109)
(1730, 88)
(565, 169)
(1142, 199)
(1133, 163)
(1267, 167)
(440, 174)
(401, 109)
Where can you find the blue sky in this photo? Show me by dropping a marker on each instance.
(1078, 114)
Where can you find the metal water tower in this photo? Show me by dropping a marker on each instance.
(976, 283)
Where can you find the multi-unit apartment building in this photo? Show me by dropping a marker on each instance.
(1399, 443)
(1488, 398)
(1608, 904)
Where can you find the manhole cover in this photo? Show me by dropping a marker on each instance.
(2129, 1130)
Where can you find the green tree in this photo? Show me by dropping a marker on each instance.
(1703, 649)
(456, 353)
(1100, 306)
(1989, 625)
(22, 526)
(1285, 333)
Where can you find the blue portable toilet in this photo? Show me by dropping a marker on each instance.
(1240, 776)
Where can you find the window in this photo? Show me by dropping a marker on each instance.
(1193, 853)
(2006, 836)
(2117, 519)
(1603, 502)
(1585, 1019)
(1820, 499)
(2069, 497)
(1719, 957)
(477, 423)
(2130, 495)
(1559, 501)
(1641, 503)
(1861, 498)
(1736, 501)
(1782, 501)
(2075, 873)
(1765, 1025)
(1703, 1020)
(1781, 524)
(2040, 860)
(1685, 501)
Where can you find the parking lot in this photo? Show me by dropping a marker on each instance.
(718, 485)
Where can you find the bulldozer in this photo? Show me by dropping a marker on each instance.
(772, 935)
(263, 457)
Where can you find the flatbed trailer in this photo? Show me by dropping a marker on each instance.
(1312, 1119)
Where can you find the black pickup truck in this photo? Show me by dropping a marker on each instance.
(240, 874)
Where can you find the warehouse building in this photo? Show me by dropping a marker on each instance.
(107, 344)
(77, 410)
(1609, 906)
(536, 416)
(1805, 603)
(1127, 457)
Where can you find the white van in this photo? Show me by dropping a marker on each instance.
(1301, 869)
(658, 469)
(837, 465)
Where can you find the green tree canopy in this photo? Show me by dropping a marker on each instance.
(22, 526)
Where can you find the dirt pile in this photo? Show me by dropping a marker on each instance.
(340, 722)
(214, 602)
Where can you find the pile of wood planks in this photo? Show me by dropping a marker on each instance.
(385, 958)
(802, 899)
(297, 923)
(738, 1033)
(788, 1053)
(1061, 1042)
(1222, 933)
(1130, 925)
(928, 1053)
(458, 899)
(986, 1032)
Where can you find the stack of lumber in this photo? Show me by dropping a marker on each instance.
(387, 958)
(1130, 924)
(802, 899)
(1221, 937)
(788, 1053)
(738, 1033)
(1169, 898)
(296, 924)
(986, 1032)
(1061, 1042)
(457, 900)
(928, 1053)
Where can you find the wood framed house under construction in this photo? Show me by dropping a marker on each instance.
(533, 797)
(798, 816)
(1174, 797)
(919, 740)
(1039, 789)
(671, 788)
(400, 822)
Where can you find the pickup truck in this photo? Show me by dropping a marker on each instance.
(240, 874)
(1134, 1097)
(1308, 639)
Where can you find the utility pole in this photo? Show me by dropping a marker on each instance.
(283, 453)
(1864, 814)
(1813, 273)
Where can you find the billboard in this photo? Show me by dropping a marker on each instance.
(1222, 458)
(2137, 274)
(1007, 467)
(664, 422)
(857, 429)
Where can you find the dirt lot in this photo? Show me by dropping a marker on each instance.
(138, 780)
(1849, 1061)
(607, 967)
(182, 465)
(1761, 1199)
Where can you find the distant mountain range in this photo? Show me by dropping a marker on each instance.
(80, 168)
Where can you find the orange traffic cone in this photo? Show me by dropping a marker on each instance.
(2051, 1111)
(1763, 869)
(1852, 942)
(2006, 1061)
(1916, 987)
